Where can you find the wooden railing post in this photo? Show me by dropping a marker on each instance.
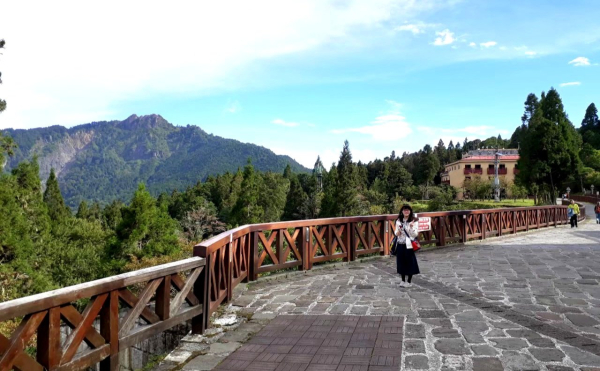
(109, 329)
(527, 220)
(514, 221)
(202, 292)
(483, 225)
(386, 237)
(254, 256)
(229, 268)
(441, 231)
(464, 238)
(500, 221)
(48, 340)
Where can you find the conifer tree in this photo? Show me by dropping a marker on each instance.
(2, 102)
(54, 200)
(146, 229)
(329, 205)
(83, 211)
(550, 151)
(346, 183)
(246, 209)
(590, 127)
(295, 199)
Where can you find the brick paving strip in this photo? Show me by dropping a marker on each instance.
(504, 311)
(322, 342)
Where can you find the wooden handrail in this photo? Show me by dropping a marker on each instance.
(42, 314)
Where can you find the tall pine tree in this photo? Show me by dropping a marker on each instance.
(590, 127)
(346, 183)
(549, 154)
(54, 200)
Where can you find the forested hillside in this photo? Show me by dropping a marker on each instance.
(104, 161)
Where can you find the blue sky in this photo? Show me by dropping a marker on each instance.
(301, 77)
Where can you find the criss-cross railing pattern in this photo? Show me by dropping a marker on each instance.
(101, 330)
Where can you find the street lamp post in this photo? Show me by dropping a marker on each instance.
(496, 179)
(592, 187)
(568, 192)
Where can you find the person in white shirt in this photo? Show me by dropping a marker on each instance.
(406, 260)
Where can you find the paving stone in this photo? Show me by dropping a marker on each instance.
(581, 320)
(581, 357)
(414, 346)
(472, 315)
(509, 343)
(416, 362)
(224, 348)
(445, 333)
(518, 361)
(473, 327)
(487, 364)
(339, 309)
(203, 363)
(483, 350)
(452, 346)
(414, 331)
(547, 355)
(244, 300)
(542, 343)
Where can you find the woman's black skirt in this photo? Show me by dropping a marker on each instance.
(406, 261)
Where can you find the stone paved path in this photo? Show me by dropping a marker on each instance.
(526, 302)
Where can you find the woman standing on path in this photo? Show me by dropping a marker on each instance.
(597, 211)
(573, 213)
(406, 261)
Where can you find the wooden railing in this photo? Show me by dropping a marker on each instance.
(241, 254)
(44, 315)
(220, 263)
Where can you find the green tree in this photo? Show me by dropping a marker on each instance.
(590, 127)
(273, 196)
(247, 209)
(83, 211)
(550, 151)
(295, 199)
(329, 206)
(54, 200)
(346, 183)
(146, 229)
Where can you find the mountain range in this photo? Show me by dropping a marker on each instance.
(104, 161)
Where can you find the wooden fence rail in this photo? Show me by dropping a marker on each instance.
(44, 314)
(241, 254)
(220, 263)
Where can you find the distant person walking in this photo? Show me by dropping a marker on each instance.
(597, 211)
(573, 213)
(406, 261)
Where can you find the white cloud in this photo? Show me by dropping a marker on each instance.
(488, 44)
(580, 62)
(234, 107)
(472, 44)
(531, 54)
(284, 123)
(574, 83)
(410, 28)
(444, 38)
(384, 128)
(150, 49)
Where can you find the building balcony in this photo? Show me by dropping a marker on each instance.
(501, 171)
(515, 171)
(473, 171)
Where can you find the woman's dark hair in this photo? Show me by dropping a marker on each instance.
(411, 216)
